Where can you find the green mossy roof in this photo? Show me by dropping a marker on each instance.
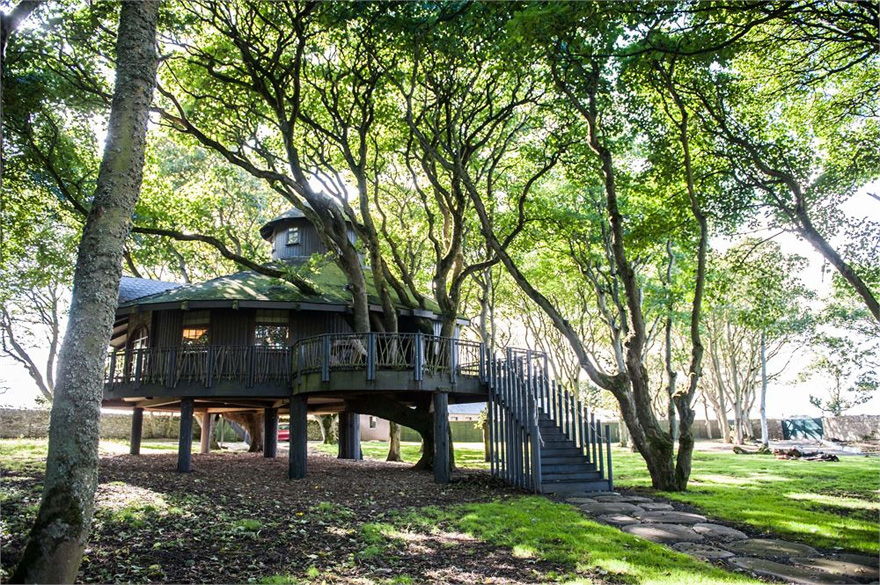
(251, 286)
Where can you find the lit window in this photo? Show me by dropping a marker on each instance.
(196, 328)
(292, 236)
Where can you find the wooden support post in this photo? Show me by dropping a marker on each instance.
(298, 437)
(349, 435)
(441, 437)
(184, 449)
(270, 433)
(137, 428)
(206, 433)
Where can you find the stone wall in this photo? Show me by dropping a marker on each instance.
(34, 424)
(865, 427)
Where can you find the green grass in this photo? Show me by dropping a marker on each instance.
(824, 504)
(466, 454)
(534, 527)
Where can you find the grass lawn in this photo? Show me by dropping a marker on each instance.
(347, 523)
(830, 505)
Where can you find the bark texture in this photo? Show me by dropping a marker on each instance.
(57, 540)
(253, 424)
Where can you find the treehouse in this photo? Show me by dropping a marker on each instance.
(252, 343)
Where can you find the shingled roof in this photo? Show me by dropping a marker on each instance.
(131, 288)
(249, 286)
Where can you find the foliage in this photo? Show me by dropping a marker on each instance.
(849, 368)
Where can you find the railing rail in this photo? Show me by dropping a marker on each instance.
(372, 352)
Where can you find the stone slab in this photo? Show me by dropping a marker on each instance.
(618, 519)
(610, 508)
(627, 499)
(664, 533)
(854, 568)
(768, 547)
(656, 507)
(719, 532)
(577, 501)
(787, 573)
(702, 551)
(671, 517)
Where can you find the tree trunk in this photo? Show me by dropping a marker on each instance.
(765, 433)
(328, 428)
(394, 443)
(55, 546)
(419, 419)
(253, 423)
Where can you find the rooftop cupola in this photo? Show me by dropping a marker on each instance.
(294, 238)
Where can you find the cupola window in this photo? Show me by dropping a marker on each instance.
(292, 236)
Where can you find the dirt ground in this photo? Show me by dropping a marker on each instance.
(236, 519)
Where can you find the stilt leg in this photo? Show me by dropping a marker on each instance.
(349, 435)
(441, 437)
(184, 449)
(298, 438)
(270, 433)
(206, 433)
(137, 428)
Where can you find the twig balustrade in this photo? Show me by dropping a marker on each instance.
(521, 394)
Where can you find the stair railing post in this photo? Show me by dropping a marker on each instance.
(418, 358)
(600, 441)
(571, 420)
(482, 362)
(595, 439)
(453, 361)
(139, 366)
(608, 467)
(545, 376)
(588, 437)
(325, 359)
(111, 375)
(371, 356)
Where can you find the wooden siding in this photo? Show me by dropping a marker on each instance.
(304, 324)
(232, 327)
(167, 328)
(309, 241)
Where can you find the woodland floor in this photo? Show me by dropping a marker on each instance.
(237, 519)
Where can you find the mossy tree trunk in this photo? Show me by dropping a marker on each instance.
(55, 546)
(394, 442)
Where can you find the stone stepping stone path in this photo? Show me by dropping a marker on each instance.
(694, 535)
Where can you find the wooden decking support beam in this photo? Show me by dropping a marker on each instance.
(184, 449)
(441, 438)
(137, 428)
(298, 438)
(270, 432)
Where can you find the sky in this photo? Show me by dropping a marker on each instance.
(786, 395)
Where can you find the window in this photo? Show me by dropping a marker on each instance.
(292, 236)
(372, 422)
(197, 328)
(140, 339)
(271, 329)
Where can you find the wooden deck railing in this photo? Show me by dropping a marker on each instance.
(252, 365)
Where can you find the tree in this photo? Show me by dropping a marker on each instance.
(848, 367)
(57, 540)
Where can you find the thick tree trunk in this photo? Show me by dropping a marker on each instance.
(57, 540)
(328, 428)
(418, 419)
(253, 423)
(394, 442)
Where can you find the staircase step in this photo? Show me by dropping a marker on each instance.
(563, 450)
(569, 475)
(563, 460)
(549, 468)
(560, 487)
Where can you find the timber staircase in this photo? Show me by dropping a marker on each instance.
(541, 437)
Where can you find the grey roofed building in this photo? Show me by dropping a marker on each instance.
(131, 288)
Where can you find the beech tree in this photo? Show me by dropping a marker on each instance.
(56, 543)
